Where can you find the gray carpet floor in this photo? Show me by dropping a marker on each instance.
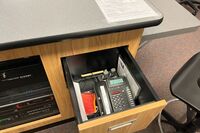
(160, 59)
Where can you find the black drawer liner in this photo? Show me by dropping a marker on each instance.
(76, 65)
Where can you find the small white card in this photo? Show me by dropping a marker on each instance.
(122, 70)
(122, 10)
(80, 101)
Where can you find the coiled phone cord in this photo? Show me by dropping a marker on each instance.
(159, 116)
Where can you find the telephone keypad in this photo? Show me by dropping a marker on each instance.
(119, 102)
(121, 96)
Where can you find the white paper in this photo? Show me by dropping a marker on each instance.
(80, 101)
(123, 71)
(105, 100)
(122, 10)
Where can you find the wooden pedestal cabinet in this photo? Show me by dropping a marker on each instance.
(127, 121)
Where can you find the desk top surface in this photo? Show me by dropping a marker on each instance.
(25, 23)
(177, 20)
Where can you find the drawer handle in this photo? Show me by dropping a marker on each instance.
(124, 124)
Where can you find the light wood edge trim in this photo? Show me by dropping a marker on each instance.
(32, 125)
(54, 72)
(106, 119)
(134, 45)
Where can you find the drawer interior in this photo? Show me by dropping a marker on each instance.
(86, 74)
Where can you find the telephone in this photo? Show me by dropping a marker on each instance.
(115, 94)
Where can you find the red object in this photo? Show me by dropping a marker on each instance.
(18, 106)
(116, 92)
(89, 101)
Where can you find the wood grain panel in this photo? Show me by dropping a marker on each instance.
(51, 55)
(32, 125)
(145, 118)
(135, 43)
(103, 124)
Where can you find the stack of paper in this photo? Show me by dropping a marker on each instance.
(122, 10)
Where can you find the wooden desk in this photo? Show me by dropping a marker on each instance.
(55, 29)
(51, 55)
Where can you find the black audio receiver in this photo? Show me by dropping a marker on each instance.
(27, 111)
(22, 80)
(25, 92)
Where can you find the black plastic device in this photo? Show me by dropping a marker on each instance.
(25, 92)
(120, 94)
(74, 66)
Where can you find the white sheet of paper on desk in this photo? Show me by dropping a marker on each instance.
(122, 10)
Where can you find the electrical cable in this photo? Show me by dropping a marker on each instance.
(143, 43)
(159, 116)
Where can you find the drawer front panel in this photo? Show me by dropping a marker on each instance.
(145, 118)
(126, 121)
(117, 125)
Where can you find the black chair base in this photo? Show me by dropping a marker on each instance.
(190, 126)
(194, 4)
(185, 85)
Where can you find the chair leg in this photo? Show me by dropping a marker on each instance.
(190, 126)
(183, 2)
(191, 114)
(198, 7)
(191, 4)
(173, 122)
(195, 2)
(197, 121)
(193, 7)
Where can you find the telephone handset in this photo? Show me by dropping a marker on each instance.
(120, 94)
(116, 95)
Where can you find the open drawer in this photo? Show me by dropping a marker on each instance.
(80, 69)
